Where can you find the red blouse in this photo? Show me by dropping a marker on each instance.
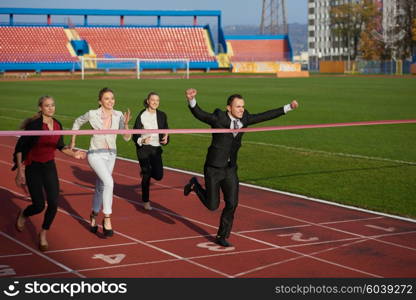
(44, 149)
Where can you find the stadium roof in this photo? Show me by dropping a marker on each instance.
(107, 12)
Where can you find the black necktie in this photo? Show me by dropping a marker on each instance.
(235, 126)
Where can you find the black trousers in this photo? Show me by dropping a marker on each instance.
(225, 179)
(42, 178)
(150, 159)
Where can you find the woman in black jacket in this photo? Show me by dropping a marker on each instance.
(36, 170)
(148, 146)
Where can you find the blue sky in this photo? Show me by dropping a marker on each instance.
(241, 12)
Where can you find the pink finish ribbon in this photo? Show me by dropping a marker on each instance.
(208, 130)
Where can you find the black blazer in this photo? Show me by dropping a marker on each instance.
(162, 123)
(224, 146)
(25, 143)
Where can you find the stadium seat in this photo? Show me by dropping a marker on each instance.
(33, 44)
(149, 43)
(259, 50)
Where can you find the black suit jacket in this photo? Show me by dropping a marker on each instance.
(224, 146)
(162, 123)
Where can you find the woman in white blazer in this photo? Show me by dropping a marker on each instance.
(102, 154)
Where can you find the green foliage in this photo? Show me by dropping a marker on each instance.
(349, 20)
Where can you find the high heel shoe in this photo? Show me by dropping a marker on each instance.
(107, 232)
(94, 228)
(20, 221)
(43, 247)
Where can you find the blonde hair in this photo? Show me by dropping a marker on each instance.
(38, 114)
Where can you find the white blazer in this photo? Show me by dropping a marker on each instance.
(100, 141)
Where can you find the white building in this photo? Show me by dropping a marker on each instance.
(321, 45)
(320, 42)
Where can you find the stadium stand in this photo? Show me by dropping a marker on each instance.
(34, 44)
(149, 42)
(257, 50)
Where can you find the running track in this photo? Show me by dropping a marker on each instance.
(274, 235)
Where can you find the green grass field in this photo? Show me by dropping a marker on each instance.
(372, 167)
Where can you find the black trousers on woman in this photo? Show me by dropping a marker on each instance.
(150, 159)
(42, 178)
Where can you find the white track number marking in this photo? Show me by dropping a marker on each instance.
(387, 229)
(110, 259)
(297, 237)
(214, 247)
(5, 270)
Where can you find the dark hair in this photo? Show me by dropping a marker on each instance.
(148, 97)
(102, 92)
(232, 97)
(38, 114)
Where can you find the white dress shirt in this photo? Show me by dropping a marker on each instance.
(149, 121)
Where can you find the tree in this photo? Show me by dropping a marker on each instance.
(371, 47)
(348, 21)
(405, 21)
(414, 29)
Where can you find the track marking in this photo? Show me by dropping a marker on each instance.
(10, 118)
(42, 255)
(250, 238)
(16, 255)
(387, 229)
(298, 257)
(327, 153)
(261, 241)
(123, 235)
(246, 237)
(43, 274)
(92, 247)
(274, 247)
(30, 113)
(263, 229)
(263, 189)
(320, 225)
(319, 252)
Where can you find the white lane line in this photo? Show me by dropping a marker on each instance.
(42, 255)
(300, 226)
(264, 229)
(126, 236)
(92, 247)
(263, 242)
(326, 153)
(16, 255)
(285, 193)
(49, 275)
(323, 226)
(299, 257)
(246, 237)
(259, 188)
(31, 113)
(270, 244)
(243, 236)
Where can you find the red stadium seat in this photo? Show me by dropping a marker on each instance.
(259, 50)
(34, 44)
(154, 43)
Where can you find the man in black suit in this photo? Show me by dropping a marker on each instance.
(220, 169)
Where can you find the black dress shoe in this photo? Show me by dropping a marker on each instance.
(189, 186)
(222, 241)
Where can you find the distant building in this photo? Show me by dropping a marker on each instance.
(321, 45)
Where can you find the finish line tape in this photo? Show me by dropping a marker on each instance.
(178, 131)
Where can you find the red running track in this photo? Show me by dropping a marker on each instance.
(275, 234)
